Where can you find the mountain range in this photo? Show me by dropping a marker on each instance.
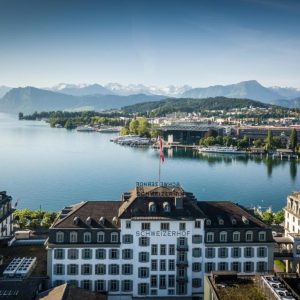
(114, 95)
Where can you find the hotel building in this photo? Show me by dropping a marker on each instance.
(157, 242)
(6, 217)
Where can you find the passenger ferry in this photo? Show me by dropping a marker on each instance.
(223, 150)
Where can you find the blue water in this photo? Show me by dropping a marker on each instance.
(51, 168)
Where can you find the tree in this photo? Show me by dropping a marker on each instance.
(279, 217)
(69, 124)
(293, 139)
(143, 127)
(124, 131)
(133, 126)
(269, 141)
(258, 143)
(227, 140)
(243, 143)
(267, 217)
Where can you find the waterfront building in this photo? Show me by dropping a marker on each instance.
(157, 242)
(6, 216)
(289, 245)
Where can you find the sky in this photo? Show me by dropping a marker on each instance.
(152, 42)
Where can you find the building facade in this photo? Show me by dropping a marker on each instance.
(157, 242)
(6, 216)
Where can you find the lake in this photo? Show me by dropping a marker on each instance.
(51, 167)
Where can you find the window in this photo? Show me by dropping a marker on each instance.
(143, 288)
(235, 266)
(153, 292)
(72, 269)
(197, 224)
(162, 281)
(262, 236)
(182, 257)
(197, 239)
(223, 236)
(143, 257)
(87, 237)
(128, 224)
(86, 269)
(100, 237)
(100, 269)
(73, 237)
(59, 237)
(249, 236)
(196, 267)
(113, 285)
(248, 252)
(236, 236)
(59, 253)
(209, 267)
(143, 272)
(196, 252)
(145, 226)
(73, 254)
(182, 242)
(100, 285)
(59, 269)
(210, 237)
(223, 266)
(127, 238)
(113, 269)
(167, 207)
(196, 283)
(163, 249)
(171, 281)
(181, 288)
(248, 266)
(164, 226)
(261, 251)
(171, 249)
(153, 281)
(162, 265)
(261, 266)
(171, 264)
(144, 241)
(127, 269)
(152, 207)
(222, 252)
(127, 254)
(153, 265)
(100, 253)
(114, 254)
(235, 252)
(73, 283)
(181, 226)
(114, 237)
(153, 249)
(86, 284)
(210, 252)
(127, 285)
(86, 253)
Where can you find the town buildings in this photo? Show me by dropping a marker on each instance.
(157, 242)
(6, 217)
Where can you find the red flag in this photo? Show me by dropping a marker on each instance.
(161, 151)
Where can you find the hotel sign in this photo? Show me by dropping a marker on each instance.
(174, 189)
(163, 233)
(157, 184)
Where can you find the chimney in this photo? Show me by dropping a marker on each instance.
(179, 202)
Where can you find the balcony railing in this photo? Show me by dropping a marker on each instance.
(182, 247)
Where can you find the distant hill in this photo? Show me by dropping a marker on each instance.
(243, 90)
(30, 99)
(291, 103)
(78, 90)
(3, 90)
(171, 105)
(286, 93)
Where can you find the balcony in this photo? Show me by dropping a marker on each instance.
(182, 263)
(183, 278)
(182, 248)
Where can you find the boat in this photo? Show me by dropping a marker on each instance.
(108, 129)
(85, 128)
(58, 126)
(220, 149)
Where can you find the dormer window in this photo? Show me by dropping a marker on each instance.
(223, 236)
(76, 221)
(249, 236)
(152, 207)
(73, 237)
(167, 207)
(102, 221)
(245, 220)
(59, 237)
(220, 221)
(88, 221)
(115, 220)
(233, 221)
(208, 222)
(114, 237)
(236, 236)
(87, 237)
(100, 237)
(262, 236)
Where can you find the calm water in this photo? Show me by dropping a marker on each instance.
(50, 167)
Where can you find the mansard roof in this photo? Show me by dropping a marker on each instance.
(233, 215)
(94, 210)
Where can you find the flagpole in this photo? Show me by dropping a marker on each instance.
(159, 169)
